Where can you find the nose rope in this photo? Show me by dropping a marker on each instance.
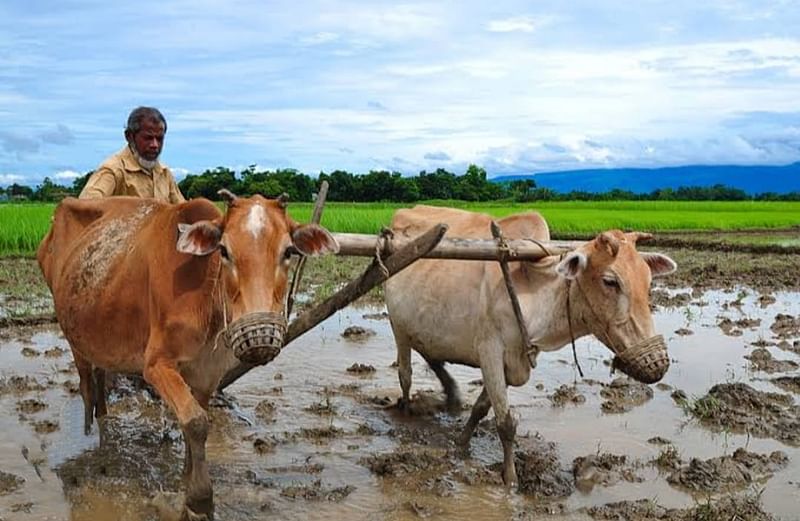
(218, 284)
(571, 334)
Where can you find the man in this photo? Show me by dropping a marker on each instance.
(135, 170)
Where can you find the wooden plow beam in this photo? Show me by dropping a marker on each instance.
(392, 254)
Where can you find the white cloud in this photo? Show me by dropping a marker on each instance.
(525, 24)
(67, 175)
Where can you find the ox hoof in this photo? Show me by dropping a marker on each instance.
(404, 406)
(192, 515)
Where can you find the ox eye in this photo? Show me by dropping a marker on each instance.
(223, 251)
(610, 282)
(289, 251)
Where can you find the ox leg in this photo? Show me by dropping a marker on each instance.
(100, 408)
(403, 368)
(163, 375)
(448, 384)
(86, 387)
(202, 399)
(479, 412)
(494, 381)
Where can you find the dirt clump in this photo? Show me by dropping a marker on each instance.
(735, 327)
(54, 352)
(31, 406)
(669, 459)
(786, 326)
(19, 385)
(357, 333)
(566, 394)
(45, 426)
(403, 462)
(740, 408)
(265, 411)
(540, 473)
(662, 298)
(793, 347)
(725, 473)
(684, 332)
(602, 469)
(761, 360)
(623, 394)
(29, 352)
(727, 508)
(316, 492)
(765, 300)
(357, 368)
(788, 383)
(10, 483)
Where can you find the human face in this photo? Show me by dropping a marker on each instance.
(149, 141)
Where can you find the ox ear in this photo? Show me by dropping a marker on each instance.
(572, 265)
(312, 239)
(659, 263)
(200, 238)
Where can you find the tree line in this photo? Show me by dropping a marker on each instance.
(382, 185)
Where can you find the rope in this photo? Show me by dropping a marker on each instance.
(571, 334)
(380, 244)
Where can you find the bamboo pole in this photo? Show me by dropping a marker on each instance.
(316, 217)
(377, 272)
(361, 245)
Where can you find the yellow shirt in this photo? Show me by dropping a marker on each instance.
(121, 174)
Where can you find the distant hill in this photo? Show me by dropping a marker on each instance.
(751, 179)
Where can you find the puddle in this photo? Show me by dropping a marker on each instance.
(313, 436)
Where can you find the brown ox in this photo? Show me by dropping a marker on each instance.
(460, 311)
(145, 287)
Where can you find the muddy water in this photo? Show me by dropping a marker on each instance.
(301, 438)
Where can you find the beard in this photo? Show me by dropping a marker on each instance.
(147, 164)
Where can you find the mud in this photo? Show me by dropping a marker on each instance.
(623, 394)
(316, 435)
(740, 408)
(357, 333)
(728, 473)
(728, 508)
(761, 360)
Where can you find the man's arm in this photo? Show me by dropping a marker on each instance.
(102, 183)
(175, 195)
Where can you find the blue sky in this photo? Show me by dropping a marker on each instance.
(513, 86)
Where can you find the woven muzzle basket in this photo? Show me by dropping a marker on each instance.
(646, 361)
(256, 338)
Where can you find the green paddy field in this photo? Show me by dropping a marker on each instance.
(22, 226)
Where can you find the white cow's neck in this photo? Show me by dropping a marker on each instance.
(545, 309)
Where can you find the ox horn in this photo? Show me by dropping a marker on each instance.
(610, 242)
(640, 236)
(227, 196)
(283, 200)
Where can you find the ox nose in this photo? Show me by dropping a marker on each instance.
(646, 361)
(256, 338)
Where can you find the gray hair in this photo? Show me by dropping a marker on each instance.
(140, 114)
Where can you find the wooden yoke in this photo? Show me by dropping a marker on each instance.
(362, 245)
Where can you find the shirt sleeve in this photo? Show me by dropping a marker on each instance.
(102, 183)
(175, 195)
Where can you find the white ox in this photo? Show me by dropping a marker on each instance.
(460, 311)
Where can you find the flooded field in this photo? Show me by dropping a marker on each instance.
(314, 435)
